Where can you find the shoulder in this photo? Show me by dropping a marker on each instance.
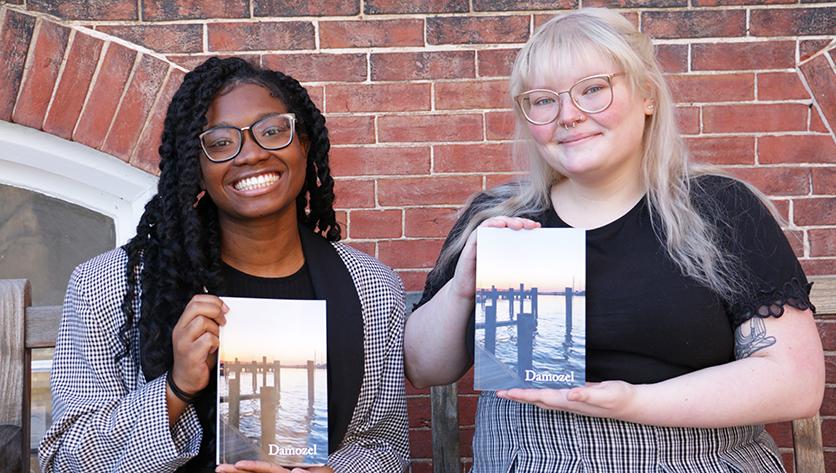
(729, 199)
(101, 281)
(368, 273)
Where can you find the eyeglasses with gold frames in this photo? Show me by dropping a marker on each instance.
(591, 94)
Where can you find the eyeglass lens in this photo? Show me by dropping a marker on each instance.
(590, 95)
(272, 132)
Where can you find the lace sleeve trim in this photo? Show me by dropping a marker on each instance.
(771, 302)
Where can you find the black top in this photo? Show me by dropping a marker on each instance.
(646, 321)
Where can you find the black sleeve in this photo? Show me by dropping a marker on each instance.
(768, 269)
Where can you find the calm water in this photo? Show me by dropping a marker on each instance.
(296, 425)
(550, 352)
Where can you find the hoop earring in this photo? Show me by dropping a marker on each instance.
(197, 198)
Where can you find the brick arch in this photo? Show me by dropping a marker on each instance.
(85, 86)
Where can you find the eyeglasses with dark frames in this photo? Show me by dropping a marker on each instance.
(591, 94)
(272, 132)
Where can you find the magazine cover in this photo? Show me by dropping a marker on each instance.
(272, 383)
(530, 308)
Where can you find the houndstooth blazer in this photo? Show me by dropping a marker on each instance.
(108, 417)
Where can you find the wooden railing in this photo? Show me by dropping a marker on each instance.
(24, 328)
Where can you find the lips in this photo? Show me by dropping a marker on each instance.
(255, 182)
(571, 139)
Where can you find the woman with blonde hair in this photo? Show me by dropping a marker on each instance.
(699, 323)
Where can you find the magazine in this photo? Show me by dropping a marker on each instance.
(530, 308)
(272, 383)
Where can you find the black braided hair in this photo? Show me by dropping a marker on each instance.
(177, 250)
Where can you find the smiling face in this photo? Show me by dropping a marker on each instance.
(592, 146)
(258, 183)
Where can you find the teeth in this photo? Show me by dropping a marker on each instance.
(256, 182)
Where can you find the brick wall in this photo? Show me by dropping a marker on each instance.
(415, 97)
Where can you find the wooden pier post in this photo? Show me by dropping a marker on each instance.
(277, 377)
(534, 311)
(510, 303)
(255, 377)
(264, 370)
(311, 368)
(525, 339)
(490, 323)
(268, 416)
(234, 397)
(522, 298)
(569, 295)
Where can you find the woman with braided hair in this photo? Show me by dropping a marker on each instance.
(244, 208)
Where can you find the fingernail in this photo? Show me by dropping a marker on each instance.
(225, 308)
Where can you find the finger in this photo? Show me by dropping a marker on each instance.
(516, 223)
(259, 467)
(200, 325)
(206, 345)
(211, 309)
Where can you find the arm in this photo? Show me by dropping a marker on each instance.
(377, 438)
(779, 376)
(434, 347)
(103, 420)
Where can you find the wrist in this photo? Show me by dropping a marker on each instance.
(179, 393)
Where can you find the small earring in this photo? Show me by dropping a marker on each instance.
(197, 198)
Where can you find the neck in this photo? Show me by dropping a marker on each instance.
(592, 203)
(267, 247)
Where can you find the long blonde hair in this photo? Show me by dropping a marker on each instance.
(667, 171)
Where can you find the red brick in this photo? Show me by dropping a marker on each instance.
(376, 224)
(104, 96)
(373, 7)
(781, 432)
(500, 125)
(713, 3)
(430, 128)
(465, 384)
(418, 191)
(824, 180)
(820, 77)
(191, 61)
(162, 38)
(796, 241)
(160, 10)
(374, 161)
(755, 118)
(816, 123)
(353, 193)
(783, 208)
(712, 88)
(42, 73)
(722, 150)
(496, 62)
(631, 16)
(823, 242)
(694, 23)
(467, 410)
(830, 377)
(367, 247)
(776, 181)
(371, 33)
(409, 253)
(827, 332)
(672, 57)
(419, 411)
(809, 48)
(796, 149)
(420, 443)
(688, 120)
(136, 104)
(15, 36)
(319, 67)
(350, 129)
(472, 158)
(828, 407)
(87, 9)
(635, 3)
(818, 266)
(147, 155)
(266, 36)
(377, 97)
(472, 94)
(781, 86)
(494, 180)
(792, 21)
(482, 29)
(413, 281)
(317, 95)
(429, 222)
(815, 211)
(743, 56)
(509, 5)
(423, 65)
(420, 465)
(306, 7)
(73, 84)
(466, 441)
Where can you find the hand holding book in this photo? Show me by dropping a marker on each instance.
(612, 399)
(248, 466)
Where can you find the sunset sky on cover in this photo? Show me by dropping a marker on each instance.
(546, 258)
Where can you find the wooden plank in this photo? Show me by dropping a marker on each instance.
(823, 294)
(42, 326)
(807, 445)
(14, 375)
(445, 429)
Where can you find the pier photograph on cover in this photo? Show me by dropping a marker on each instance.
(272, 383)
(530, 308)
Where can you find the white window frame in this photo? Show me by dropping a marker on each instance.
(69, 171)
